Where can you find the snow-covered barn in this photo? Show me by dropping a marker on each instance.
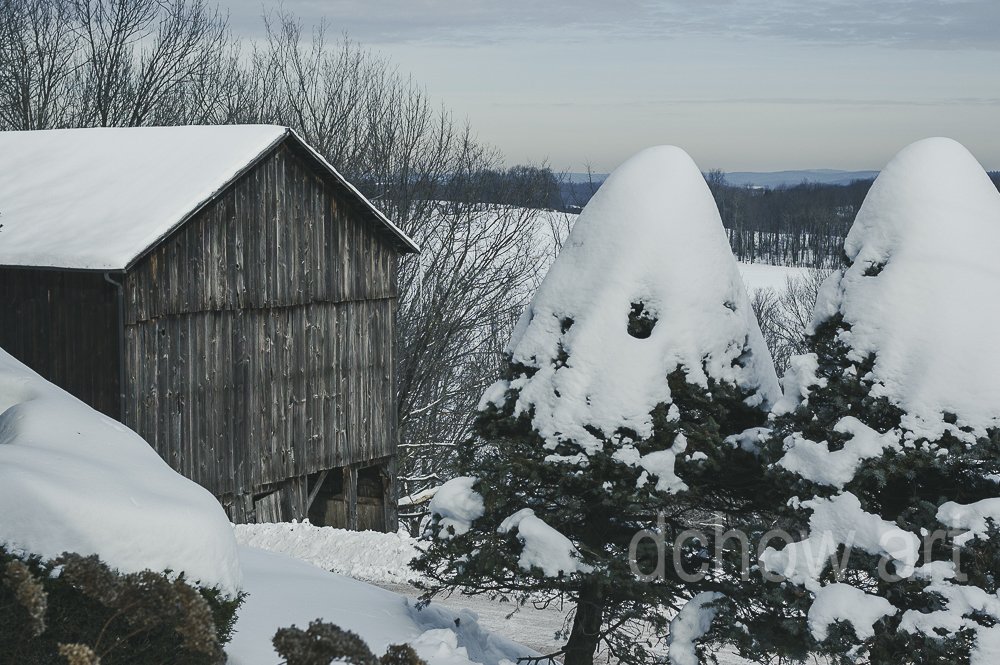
(224, 292)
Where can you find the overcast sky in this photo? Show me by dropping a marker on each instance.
(765, 85)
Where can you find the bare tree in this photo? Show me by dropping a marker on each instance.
(137, 53)
(135, 62)
(460, 298)
(38, 63)
(81, 63)
(785, 316)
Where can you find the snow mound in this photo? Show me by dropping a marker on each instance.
(922, 288)
(654, 233)
(458, 506)
(372, 556)
(816, 462)
(283, 591)
(842, 602)
(74, 480)
(835, 521)
(544, 547)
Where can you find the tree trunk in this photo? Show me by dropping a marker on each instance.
(585, 636)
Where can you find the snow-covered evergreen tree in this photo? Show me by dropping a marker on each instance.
(638, 357)
(888, 435)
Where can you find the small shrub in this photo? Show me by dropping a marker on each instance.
(77, 610)
(323, 643)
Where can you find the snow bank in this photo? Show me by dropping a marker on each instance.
(382, 558)
(654, 234)
(74, 480)
(458, 505)
(920, 290)
(283, 591)
(544, 547)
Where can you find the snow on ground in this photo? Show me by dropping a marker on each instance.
(763, 276)
(283, 591)
(382, 558)
(74, 480)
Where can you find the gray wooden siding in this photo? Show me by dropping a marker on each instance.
(241, 399)
(280, 236)
(64, 325)
(259, 337)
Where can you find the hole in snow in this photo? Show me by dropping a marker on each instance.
(874, 269)
(640, 321)
(565, 324)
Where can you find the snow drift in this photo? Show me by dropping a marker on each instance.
(74, 480)
(283, 591)
(654, 233)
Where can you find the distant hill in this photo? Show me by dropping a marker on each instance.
(778, 178)
(760, 178)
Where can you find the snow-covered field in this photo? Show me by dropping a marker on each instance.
(283, 591)
(381, 559)
(762, 276)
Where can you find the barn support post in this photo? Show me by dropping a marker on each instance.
(351, 495)
(120, 296)
(241, 509)
(314, 491)
(389, 493)
(293, 499)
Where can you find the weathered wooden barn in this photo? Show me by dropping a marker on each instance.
(224, 292)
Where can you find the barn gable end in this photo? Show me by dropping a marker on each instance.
(272, 312)
(252, 345)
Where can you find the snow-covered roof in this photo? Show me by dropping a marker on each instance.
(100, 198)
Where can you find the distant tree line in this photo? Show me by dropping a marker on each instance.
(791, 225)
(798, 225)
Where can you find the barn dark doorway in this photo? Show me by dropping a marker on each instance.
(352, 497)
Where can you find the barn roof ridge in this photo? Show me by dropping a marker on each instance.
(94, 198)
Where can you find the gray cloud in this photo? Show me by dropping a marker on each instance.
(935, 24)
(763, 101)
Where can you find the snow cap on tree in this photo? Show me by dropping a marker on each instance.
(891, 424)
(921, 290)
(645, 284)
